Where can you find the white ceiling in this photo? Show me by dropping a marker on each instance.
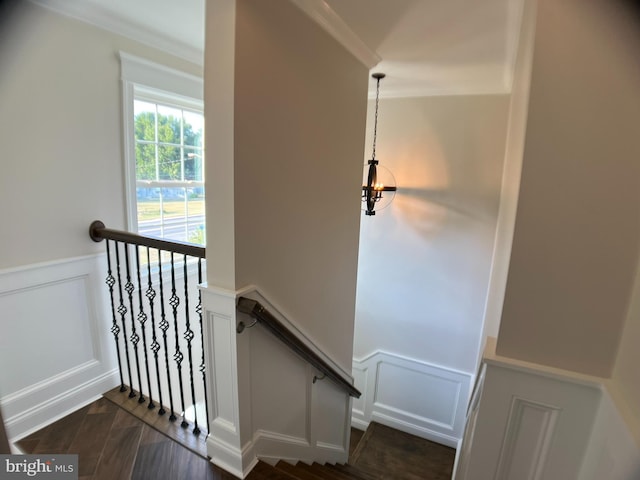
(426, 47)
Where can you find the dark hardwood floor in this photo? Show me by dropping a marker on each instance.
(113, 444)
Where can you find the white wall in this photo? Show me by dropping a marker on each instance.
(62, 167)
(425, 260)
(61, 136)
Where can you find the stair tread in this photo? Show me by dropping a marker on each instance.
(264, 471)
(323, 472)
(353, 471)
(299, 473)
(329, 471)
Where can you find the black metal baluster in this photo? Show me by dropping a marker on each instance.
(188, 336)
(122, 310)
(135, 338)
(164, 326)
(142, 318)
(155, 346)
(115, 329)
(202, 365)
(174, 301)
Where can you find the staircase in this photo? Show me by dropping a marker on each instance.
(302, 471)
(381, 453)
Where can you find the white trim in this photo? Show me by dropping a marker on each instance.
(53, 409)
(567, 376)
(519, 86)
(102, 18)
(224, 443)
(515, 13)
(321, 13)
(154, 82)
(225, 456)
(160, 77)
(532, 436)
(238, 434)
(442, 421)
(532, 422)
(49, 382)
(414, 90)
(68, 386)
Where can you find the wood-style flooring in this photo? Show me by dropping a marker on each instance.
(113, 444)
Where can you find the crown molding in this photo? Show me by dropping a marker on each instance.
(417, 90)
(332, 23)
(89, 12)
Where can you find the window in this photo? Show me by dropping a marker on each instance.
(164, 152)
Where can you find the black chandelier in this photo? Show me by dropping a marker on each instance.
(372, 188)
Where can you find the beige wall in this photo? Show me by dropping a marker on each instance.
(425, 260)
(299, 122)
(61, 134)
(577, 231)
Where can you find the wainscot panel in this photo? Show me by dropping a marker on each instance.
(55, 338)
(416, 397)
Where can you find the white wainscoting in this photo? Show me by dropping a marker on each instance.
(411, 395)
(264, 401)
(532, 423)
(54, 341)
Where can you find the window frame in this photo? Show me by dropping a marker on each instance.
(152, 82)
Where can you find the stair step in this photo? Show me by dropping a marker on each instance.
(353, 472)
(322, 471)
(303, 471)
(264, 471)
(298, 472)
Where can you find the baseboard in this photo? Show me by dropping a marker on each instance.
(59, 346)
(225, 456)
(429, 401)
(37, 417)
(274, 447)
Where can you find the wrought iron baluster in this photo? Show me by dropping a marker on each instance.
(164, 326)
(135, 338)
(111, 281)
(202, 365)
(122, 310)
(142, 318)
(155, 346)
(174, 301)
(188, 336)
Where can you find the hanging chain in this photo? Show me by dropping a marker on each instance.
(375, 123)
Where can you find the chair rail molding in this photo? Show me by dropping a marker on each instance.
(533, 422)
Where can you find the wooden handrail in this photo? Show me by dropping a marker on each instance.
(255, 310)
(98, 232)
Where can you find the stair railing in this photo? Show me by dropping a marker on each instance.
(162, 320)
(261, 315)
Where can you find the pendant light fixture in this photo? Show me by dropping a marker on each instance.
(376, 179)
